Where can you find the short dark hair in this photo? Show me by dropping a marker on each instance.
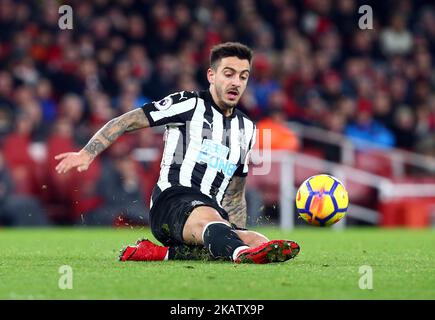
(229, 49)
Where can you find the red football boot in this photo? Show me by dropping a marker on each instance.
(272, 251)
(144, 250)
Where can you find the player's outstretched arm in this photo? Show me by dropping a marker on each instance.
(101, 140)
(234, 201)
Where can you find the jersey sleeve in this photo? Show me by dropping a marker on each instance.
(174, 109)
(242, 170)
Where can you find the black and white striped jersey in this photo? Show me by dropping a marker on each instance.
(203, 148)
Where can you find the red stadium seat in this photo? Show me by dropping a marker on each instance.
(268, 185)
(302, 173)
(314, 152)
(409, 212)
(375, 161)
(360, 194)
(413, 212)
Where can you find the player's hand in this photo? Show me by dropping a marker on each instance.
(70, 160)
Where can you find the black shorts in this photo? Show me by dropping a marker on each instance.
(171, 209)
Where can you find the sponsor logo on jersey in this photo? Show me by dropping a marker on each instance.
(215, 156)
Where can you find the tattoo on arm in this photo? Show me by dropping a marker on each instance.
(111, 131)
(234, 201)
(94, 147)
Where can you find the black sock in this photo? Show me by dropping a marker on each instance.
(188, 252)
(221, 240)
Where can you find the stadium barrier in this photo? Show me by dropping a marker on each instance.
(397, 157)
(417, 200)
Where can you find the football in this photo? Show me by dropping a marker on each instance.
(322, 200)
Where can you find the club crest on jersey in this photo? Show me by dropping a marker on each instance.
(242, 141)
(163, 104)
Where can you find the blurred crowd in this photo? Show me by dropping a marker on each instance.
(313, 64)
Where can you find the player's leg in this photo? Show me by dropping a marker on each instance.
(199, 252)
(152, 252)
(206, 226)
(252, 238)
(193, 231)
(168, 217)
(206, 229)
(262, 250)
(145, 250)
(182, 216)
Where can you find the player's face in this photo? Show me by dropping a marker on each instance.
(229, 80)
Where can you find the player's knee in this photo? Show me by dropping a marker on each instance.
(198, 221)
(201, 216)
(193, 233)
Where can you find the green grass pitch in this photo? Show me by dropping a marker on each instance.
(403, 264)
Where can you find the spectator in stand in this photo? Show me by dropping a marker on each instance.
(335, 122)
(163, 78)
(263, 84)
(100, 108)
(131, 93)
(425, 114)
(6, 104)
(332, 87)
(396, 39)
(17, 209)
(383, 109)
(399, 90)
(129, 52)
(122, 192)
(366, 133)
(404, 127)
(72, 108)
(282, 137)
(44, 93)
(17, 157)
